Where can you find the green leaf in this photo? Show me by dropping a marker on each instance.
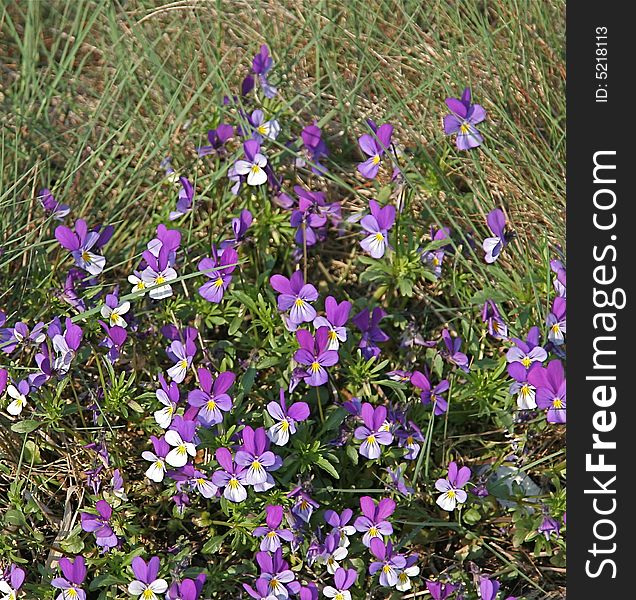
(325, 465)
(25, 426)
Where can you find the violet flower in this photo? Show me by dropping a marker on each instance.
(262, 128)
(497, 327)
(147, 585)
(333, 552)
(18, 393)
(185, 199)
(374, 146)
(276, 573)
(525, 391)
(253, 165)
(452, 353)
(373, 522)
(550, 384)
(304, 506)
(219, 270)
(343, 579)
(409, 570)
(261, 66)
(367, 322)
(188, 589)
(439, 590)
(12, 337)
(157, 469)
(398, 480)
(560, 280)
(260, 591)
(240, 225)
(211, 398)
(430, 394)
(435, 258)
(452, 494)
(217, 139)
(113, 310)
(296, 295)
(373, 432)
(339, 523)
(182, 354)
(160, 258)
(51, 205)
(556, 321)
(286, 418)
(314, 354)
(74, 575)
(271, 533)
(388, 563)
(79, 243)
(494, 245)
(335, 320)
(230, 476)
(181, 437)
(257, 459)
(316, 148)
(66, 345)
(310, 216)
(408, 438)
(11, 583)
(169, 396)
(99, 524)
(527, 352)
(462, 121)
(377, 225)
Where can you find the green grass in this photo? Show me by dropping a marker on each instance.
(93, 94)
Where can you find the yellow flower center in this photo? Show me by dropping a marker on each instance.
(160, 279)
(262, 129)
(211, 405)
(557, 403)
(181, 449)
(376, 159)
(526, 362)
(436, 261)
(218, 283)
(183, 364)
(299, 302)
(379, 237)
(371, 439)
(373, 532)
(200, 481)
(464, 127)
(255, 169)
(86, 257)
(409, 440)
(451, 493)
(271, 534)
(256, 465)
(332, 335)
(315, 367)
(525, 390)
(386, 568)
(284, 424)
(233, 483)
(72, 593)
(148, 594)
(159, 464)
(556, 328)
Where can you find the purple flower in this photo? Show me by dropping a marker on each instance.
(548, 526)
(304, 506)
(51, 205)
(184, 202)
(271, 533)
(462, 121)
(296, 295)
(373, 432)
(286, 418)
(409, 570)
(115, 338)
(434, 258)
(181, 436)
(253, 165)
(494, 245)
(556, 321)
(230, 476)
(311, 216)
(333, 552)
(79, 243)
(526, 392)
(388, 563)
(336, 318)
(373, 522)
(367, 322)
(66, 345)
(452, 494)
(74, 575)
(377, 225)
(550, 384)
(497, 327)
(340, 525)
(169, 396)
(452, 353)
(257, 459)
(12, 337)
(374, 146)
(147, 585)
(314, 354)
(527, 352)
(157, 469)
(160, 258)
(261, 66)
(262, 128)
(431, 394)
(11, 583)
(99, 524)
(260, 591)
(343, 579)
(217, 139)
(18, 393)
(560, 280)
(276, 573)
(240, 225)
(439, 590)
(398, 480)
(316, 148)
(211, 397)
(409, 438)
(488, 588)
(188, 589)
(219, 271)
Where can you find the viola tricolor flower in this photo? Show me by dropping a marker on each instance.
(182, 354)
(374, 146)
(304, 506)
(51, 205)
(160, 258)
(113, 310)
(286, 418)
(261, 66)
(316, 148)
(343, 579)
(188, 589)
(408, 438)
(240, 225)
(377, 225)
(462, 120)
(332, 552)
(452, 494)
(253, 165)
(74, 575)
(230, 476)
(219, 270)
(271, 533)
(157, 469)
(550, 384)
(314, 355)
(497, 327)
(99, 524)
(435, 258)
(169, 396)
(556, 321)
(217, 139)
(260, 591)
(373, 432)
(439, 590)
(560, 280)
(404, 576)
(452, 353)
(367, 322)
(211, 398)
(12, 582)
(276, 573)
(295, 295)
(147, 585)
(262, 128)
(335, 320)
(388, 563)
(65, 345)
(185, 199)
(494, 245)
(549, 526)
(527, 352)
(18, 393)
(525, 391)
(340, 525)
(181, 438)
(80, 242)
(373, 522)
(430, 394)
(257, 459)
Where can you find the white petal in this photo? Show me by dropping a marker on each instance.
(136, 588)
(159, 586)
(176, 458)
(256, 177)
(173, 438)
(447, 502)
(156, 471)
